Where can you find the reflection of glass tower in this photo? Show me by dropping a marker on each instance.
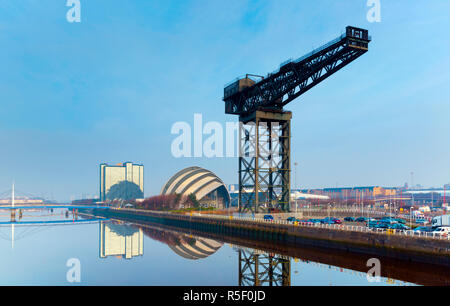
(120, 240)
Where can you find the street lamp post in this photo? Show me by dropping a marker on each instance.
(410, 217)
(295, 188)
(295, 175)
(390, 211)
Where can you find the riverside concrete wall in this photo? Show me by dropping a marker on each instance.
(416, 249)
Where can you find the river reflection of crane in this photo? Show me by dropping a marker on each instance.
(258, 268)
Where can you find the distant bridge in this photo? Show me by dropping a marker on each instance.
(50, 206)
(52, 222)
(29, 227)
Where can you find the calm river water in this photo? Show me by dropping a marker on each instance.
(54, 248)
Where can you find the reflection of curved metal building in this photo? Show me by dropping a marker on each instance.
(186, 246)
(207, 187)
(196, 248)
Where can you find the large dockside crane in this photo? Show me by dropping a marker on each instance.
(264, 152)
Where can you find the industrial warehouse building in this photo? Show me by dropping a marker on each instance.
(207, 187)
(111, 175)
(369, 193)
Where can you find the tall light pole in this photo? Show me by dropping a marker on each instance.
(13, 214)
(444, 196)
(390, 212)
(362, 203)
(13, 196)
(410, 217)
(295, 187)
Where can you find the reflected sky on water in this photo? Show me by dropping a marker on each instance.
(119, 253)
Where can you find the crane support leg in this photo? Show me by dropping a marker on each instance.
(265, 161)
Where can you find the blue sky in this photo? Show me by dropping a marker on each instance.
(108, 89)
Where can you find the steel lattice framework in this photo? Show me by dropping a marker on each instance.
(264, 162)
(262, 269)
(296, 77)
(264, 176)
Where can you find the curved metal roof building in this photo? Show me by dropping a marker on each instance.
(197, 181)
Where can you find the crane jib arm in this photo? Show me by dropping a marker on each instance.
(295, 77)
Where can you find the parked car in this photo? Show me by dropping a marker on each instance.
(423, 229)
(442, 231)
(399, 226)
(373, 223)
(361, 219)
(337, 221)
(291, 219)
(400, 220)
(331, 220)
(349, 219)
(378, 225)
(382, 225)
(315, 220)
(371, 220)
(388, 220)
(268, 218)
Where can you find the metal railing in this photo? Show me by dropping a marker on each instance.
(354, 228)
(341, 227)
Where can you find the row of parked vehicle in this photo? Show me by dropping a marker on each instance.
(359, 219)
(310, 221)
(383, 223)
(314, 221)
(400, 224)
(388, 223)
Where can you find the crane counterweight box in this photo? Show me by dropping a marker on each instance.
(237, 86)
